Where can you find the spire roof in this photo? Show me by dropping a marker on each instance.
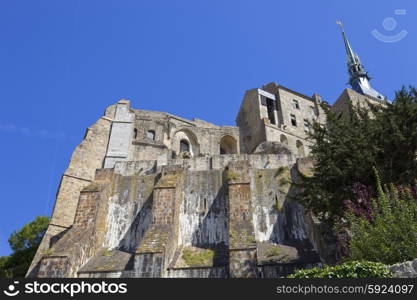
(358, 77)
(348, 47)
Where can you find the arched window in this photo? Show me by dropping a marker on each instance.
(151, 134)
(283, 139)
(228, 145)
(300, 149)
(184, 146)
(135, 133)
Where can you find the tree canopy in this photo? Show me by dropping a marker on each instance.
(350, 145)
(24, 242)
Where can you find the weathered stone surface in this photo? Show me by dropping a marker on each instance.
(272, 148)
(143, 186)
(109, 261)
(53, 266)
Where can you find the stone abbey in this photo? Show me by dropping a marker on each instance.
(150, 194)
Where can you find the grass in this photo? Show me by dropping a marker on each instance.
(106, 252)
(232, 175)
(198, 258)
(47, 252)
(272, 251)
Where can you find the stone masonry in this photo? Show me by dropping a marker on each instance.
(150, 194)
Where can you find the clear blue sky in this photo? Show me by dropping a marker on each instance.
(63, 62)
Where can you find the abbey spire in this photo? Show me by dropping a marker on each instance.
(358, 77)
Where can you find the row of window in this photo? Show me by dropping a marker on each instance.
(296, 105)
(270, 105)
(294, 123)
(227, 146)
(298, 144)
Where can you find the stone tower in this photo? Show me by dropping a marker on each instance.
(274, 113)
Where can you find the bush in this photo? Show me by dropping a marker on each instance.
(389, 234)
(352, 269)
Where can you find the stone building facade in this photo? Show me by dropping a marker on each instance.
(150, 194)
(274, 113)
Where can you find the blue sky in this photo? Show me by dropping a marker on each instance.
(63, 62)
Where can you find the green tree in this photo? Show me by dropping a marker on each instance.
(390, 235)
(30, 235)
(350, 145)
(24, 242)
(4, 272)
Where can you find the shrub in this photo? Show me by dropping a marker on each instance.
(389, 234)
(352, 269)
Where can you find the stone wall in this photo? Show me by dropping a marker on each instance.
(136, 221)
(132, 203)
(242, 242)
(252, 133)
(148, 135)
(86, 158)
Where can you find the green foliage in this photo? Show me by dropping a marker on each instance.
(106, 252)
(30, 235)
(24, 242)
(390, 236)
(4, 271)
(350, 145)
(352, 269)
(230, 175)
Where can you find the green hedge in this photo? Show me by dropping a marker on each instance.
(352, 269)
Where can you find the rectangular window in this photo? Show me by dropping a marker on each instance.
(270, 105)
(306, 126)
(295, 104)
(293, 120)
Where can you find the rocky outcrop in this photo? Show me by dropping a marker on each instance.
(406, 269)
